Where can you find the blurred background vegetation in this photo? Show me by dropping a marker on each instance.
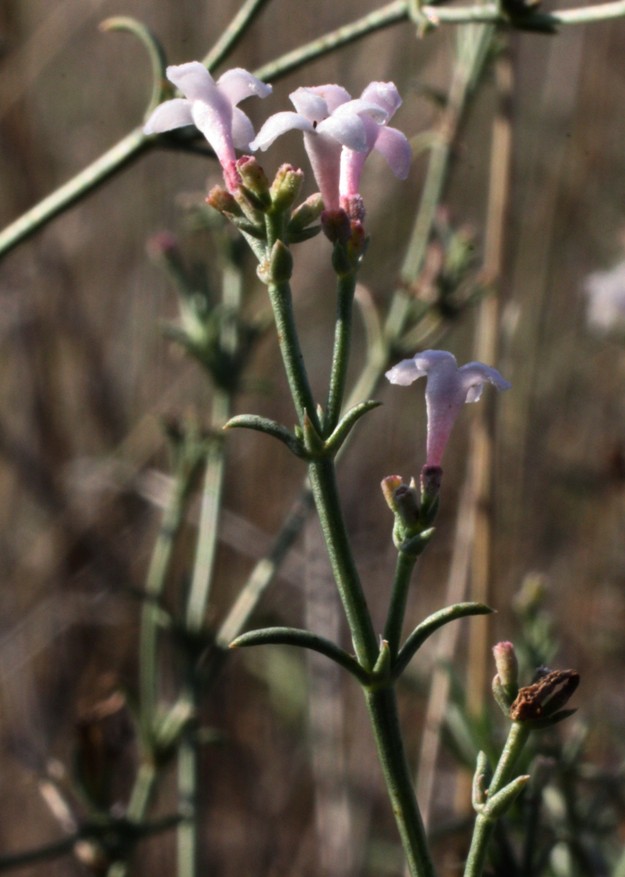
(87, 377)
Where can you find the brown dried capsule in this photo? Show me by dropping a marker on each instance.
(544, 698)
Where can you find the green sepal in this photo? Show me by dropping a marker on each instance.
(345, 424)
(501, 696)
(285, 188)
(246, 226)
(298, 237)
(431, 624)
(304, 215)
(502, 800)
(342, 263)
(270, 427)
(429, 509)
(305, 639)
(259, 200)
(481, 779)
(415, 545)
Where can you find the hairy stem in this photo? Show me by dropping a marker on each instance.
(340, 355)
(382, 707)
(399, 596)
(282, 305)
(323, 481)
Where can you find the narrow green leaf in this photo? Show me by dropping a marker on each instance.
(269, 427)
(291, 636)
(432, 624)
(344, 426)
(481, 778)
(502, 800)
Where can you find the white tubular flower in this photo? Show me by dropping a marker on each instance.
(212, 107)
(448, 388)
(329, 120)
(392, 144)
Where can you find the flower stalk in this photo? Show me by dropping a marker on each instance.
(382, 707)
(340, 354)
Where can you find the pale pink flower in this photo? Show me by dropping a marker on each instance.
(212, 107)
(392, 144)
(448, 388)
(331, 122)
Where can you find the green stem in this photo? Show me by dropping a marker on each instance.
(340, 355)
(160, 564)
(141, 795)
(233, 33)
(188, 773)
(152, 612)
(382, 707)
(282, 305)
(142, 792)
(484, 824)
(388, 15)
(135, 143)
(206, 549)
(399, 596)
(491, 14)
(87, 181)
(323, 482)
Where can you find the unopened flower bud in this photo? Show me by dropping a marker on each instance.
(389, 485)
(254, 182)
(407, 502)
(507, 665)
(505, 684)
(306, 213)
(286, 187)
(221, 200)
(402, 500)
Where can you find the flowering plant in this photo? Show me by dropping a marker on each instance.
(182, 629)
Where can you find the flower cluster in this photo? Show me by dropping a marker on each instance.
(339, 132)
